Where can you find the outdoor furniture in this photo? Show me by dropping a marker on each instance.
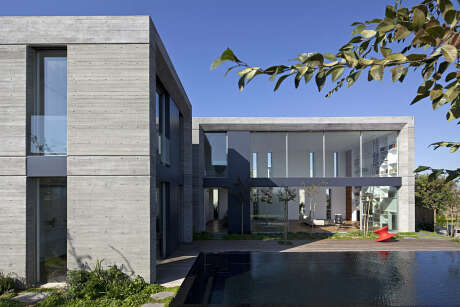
(384, 235)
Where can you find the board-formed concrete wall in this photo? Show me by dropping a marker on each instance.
(113, 63)
(12, 159)
(108, 157)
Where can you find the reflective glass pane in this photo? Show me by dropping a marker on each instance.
(52, 228)
(266, 216)
(383, 206)
(305, 154)
(380, 154)
(49, 116)
(342, 153)
(274, 143)
(215, 153)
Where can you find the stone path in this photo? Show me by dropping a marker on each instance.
(172, 271)
(31, 298)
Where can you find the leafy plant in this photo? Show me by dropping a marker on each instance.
(102, 287)
(8, 283)
(424, 37)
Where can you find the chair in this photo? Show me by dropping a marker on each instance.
(384, 235)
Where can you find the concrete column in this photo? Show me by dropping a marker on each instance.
(199, 222)
(239, 147)
(406, 193)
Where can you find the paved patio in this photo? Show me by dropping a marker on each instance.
(172, 271)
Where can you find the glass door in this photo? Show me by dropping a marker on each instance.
(51, 212)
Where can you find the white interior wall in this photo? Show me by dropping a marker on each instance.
(263, 143)
(339, 201)
(223, 203)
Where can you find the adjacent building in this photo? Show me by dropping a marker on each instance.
(95, 151)
(346, 166)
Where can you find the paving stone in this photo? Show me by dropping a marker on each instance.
(31, 298)
(153, 305)
(162, 295)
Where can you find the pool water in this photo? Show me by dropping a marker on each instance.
(324, 279)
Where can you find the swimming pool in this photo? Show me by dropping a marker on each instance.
(324, 279)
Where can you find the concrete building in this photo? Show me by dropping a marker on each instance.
(97, 147)
(335, 165)
(95, 151)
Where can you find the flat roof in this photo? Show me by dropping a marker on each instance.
(303, 123)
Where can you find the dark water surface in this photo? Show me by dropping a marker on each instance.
(329, 278)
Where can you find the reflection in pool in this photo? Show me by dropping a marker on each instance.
(329, 278)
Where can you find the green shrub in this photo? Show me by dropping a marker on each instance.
(8, 283)
(102, 287)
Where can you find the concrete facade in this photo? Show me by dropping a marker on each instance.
(114, 64)
(274, 134)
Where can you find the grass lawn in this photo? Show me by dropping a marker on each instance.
(355, 235)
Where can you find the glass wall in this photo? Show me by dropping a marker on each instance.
(305, 154)
(48, 119)
(380, 154)
(383, 208)
(50, 202)
(270, 149)
(342, 152)
(266, 216)
(215, 154)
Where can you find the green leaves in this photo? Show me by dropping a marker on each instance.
(368, 33)
(401, 33)
(385, 26)
(320, 79)
(397, 72)
(418, 18)
(449, 52)
(436, 92)
(336, 72)
(376, 71)
(330, 56)
(396, 57)
(358, 29)
(227, 55)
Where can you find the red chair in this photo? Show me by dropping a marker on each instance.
(384, 235)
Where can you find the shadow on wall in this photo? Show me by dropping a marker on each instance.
(81, 261)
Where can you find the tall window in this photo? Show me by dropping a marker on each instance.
(254, 165)
(163, 121)
(311, 157)
(336, 164)
(269, 164)
(49, 196)
(48, 119)
(215, 148)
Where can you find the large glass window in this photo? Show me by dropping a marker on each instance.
(48, 119)
(50, 202)
(381, 204)
(266, 216)
(380, 153)
(166, 111)
(215, 153)
(274, 143)
(342, 153)
(305, 154)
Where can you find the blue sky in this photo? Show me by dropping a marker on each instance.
(265, 32)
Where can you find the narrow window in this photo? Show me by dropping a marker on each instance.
(159, 119)
(48, 117)
(269, 164)
(254, 165)
(336, 164)
(312, 164)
